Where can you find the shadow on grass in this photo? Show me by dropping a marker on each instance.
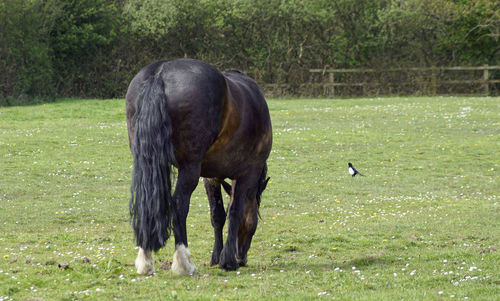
(324, 265)
(366, 261)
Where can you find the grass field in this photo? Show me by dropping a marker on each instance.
(423, 224)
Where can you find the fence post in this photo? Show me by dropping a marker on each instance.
(486, 79)
(433, 80)
(330, 75)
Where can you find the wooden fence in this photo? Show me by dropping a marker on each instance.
(429, 79)
(481, 80)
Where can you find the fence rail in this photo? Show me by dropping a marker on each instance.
(431, 79)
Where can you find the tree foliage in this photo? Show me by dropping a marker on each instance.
(93, 47)
(80, 41)
(25, 63)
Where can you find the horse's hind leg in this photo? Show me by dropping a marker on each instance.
(187, 181)
(217, 215)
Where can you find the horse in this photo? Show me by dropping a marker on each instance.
(187, 115)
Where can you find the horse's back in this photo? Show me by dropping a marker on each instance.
(193, 81)
(186, 81)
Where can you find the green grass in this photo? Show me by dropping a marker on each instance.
(423, 224)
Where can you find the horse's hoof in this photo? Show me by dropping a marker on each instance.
(145, 269)
(144, 263)
(242, 262)
(182, 264)
(214, 260)
(228, 263)
(215, 255)
(230, 266)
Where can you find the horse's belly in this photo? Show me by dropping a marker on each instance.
(233, 159)
(220, 165)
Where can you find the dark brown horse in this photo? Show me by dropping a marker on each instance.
(185, 113)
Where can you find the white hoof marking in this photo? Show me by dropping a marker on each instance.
(144, 263)
(182, 263)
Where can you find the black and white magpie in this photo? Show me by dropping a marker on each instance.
(353, 170)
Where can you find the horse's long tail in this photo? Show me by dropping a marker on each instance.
(151, 205)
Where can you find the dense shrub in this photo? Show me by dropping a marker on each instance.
(26, 70)
(81, 42)
(92, 48)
